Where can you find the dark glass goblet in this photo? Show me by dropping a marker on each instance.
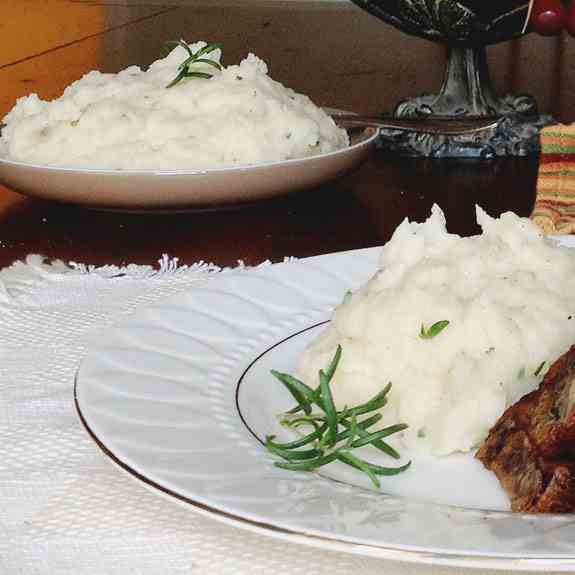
(467, 27)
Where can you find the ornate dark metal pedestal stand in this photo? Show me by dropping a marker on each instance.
(466, 26)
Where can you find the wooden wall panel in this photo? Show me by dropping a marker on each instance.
(29, 27)
(46, 45)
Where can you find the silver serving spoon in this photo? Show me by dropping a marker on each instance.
(438, 126)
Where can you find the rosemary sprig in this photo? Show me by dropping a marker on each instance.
(538, 370)
(435, 329)
(334, 434)
(198, 57)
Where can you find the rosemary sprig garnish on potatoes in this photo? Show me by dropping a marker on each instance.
(435, 329)
(185, 69)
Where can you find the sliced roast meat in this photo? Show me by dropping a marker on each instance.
(531, 448)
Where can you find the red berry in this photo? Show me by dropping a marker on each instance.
(548, 17)
(570, 21)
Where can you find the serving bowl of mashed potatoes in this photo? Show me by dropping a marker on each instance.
(141, 140)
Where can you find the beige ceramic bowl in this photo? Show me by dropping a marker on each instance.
(136, 190)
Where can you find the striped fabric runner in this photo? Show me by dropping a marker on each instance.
(554, 208)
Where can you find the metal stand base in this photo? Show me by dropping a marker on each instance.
(467, 91)
(516, 135)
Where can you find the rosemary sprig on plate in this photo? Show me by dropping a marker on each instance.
(331, 434)
(198, 57)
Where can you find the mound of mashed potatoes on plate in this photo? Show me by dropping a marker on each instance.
(509, 297)
(132, 120)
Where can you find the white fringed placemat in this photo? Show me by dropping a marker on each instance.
(64, 508)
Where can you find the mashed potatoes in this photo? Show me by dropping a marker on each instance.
(509, 297)
(131, 120)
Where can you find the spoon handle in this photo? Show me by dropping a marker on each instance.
(439, 126)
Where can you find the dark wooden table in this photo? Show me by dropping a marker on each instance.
(334, 52)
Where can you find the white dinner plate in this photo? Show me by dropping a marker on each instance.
(180, 396)
(184, 190)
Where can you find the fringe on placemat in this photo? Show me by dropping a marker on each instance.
(35, 271)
